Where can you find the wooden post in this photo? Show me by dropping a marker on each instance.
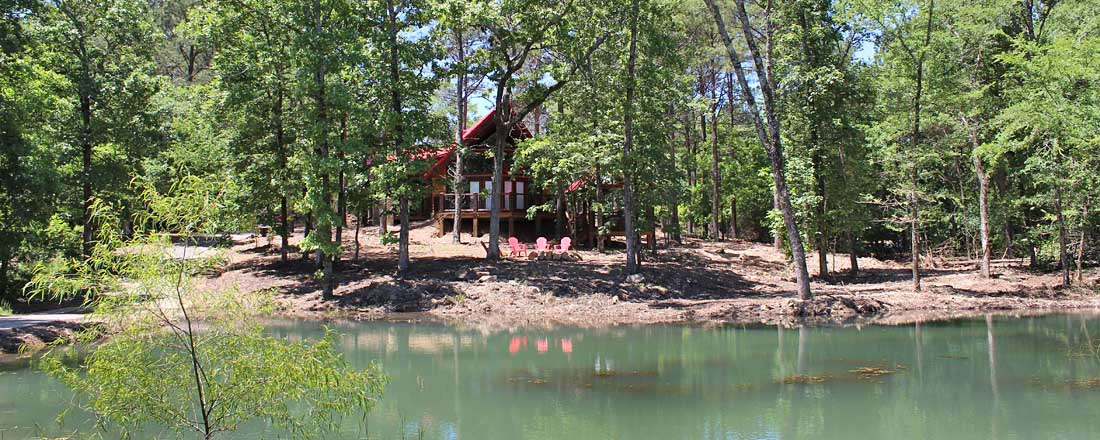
(476, 215)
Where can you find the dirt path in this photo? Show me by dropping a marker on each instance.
(727, 282)
(19, 321)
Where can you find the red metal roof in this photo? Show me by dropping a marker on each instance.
(587, 180)
(485, 127)
(578, 184)
(481, 129)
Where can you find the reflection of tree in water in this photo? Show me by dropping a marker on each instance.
(717, 383)
(794, 393)
(996, 404)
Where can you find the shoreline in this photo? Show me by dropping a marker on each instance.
(698, 283)
(701, 283)
(40, 335)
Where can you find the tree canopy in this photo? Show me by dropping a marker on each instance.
(907, 130)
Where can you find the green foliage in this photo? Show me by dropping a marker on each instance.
(388, 238)
(292, 103)
(184, 359)
(132, 383)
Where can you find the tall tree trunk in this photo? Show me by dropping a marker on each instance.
(403, 239)
(383, 215)
(504, 129)
(1001, 179)
(914, 208)
(715, 202)
(628, 144)
(1081, 243)
(306, 229)
(651, 219)
(324, 227)
(674, 202)
(358, 226)
(983, 215)
(342, 191)
(733, 151)
(399, 137)
(777, 238)
(733, 217)
(1063, 254)
(559, 213)
(983, 197)
(853, 252)
(769, 135)
(914, 237)
(5, 266)
(280, 148)
(818, 162)
(600, 242)
(689, 138)
(822, 234)
(284, 247)
(460, 86)
(86, 173)
(1028, 18)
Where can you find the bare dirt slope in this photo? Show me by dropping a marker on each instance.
(725, 282)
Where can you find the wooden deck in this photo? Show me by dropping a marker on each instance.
(510, 217)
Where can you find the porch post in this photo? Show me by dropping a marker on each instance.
(477, 214)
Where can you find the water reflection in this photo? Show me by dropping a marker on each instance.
(991, 377)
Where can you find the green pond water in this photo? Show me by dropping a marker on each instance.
(981, 378)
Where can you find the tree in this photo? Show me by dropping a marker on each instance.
(259, 99)
(769, 133)
(158, 368)
(104, 51)
(407, 120)
(28, 171)
(461, 38)
(516, 31)
(909, 29)
(628, 142)
(1059, 150)
(974, 37)
(182, 55)
(586, 139)
(821, 93)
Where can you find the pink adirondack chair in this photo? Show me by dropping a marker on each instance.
(541, 246)
(517, 249)
(563, 248)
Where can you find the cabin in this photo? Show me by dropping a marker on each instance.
(518, 194)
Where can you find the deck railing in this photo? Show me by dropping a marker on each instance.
(471, 202)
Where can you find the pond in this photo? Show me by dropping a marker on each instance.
(986, 377)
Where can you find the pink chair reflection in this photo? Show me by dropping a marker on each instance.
(516, 344)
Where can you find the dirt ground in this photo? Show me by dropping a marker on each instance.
(705, 282)
(31, 338)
